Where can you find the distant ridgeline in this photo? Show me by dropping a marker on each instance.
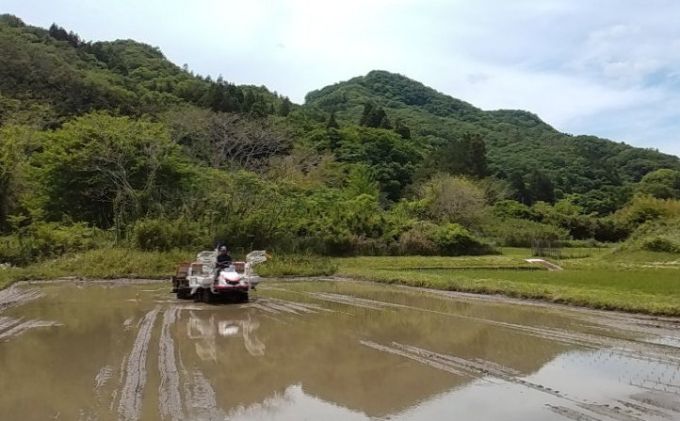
(521, 148)
(112, 136)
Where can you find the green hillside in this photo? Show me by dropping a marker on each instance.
(517, 141)
(49, 75)
(109, 143)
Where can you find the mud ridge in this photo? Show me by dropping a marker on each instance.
(275, 306)
(662, 400)
(422, 360)
(127, 324)
(570, 413)
(7, 322)
(355, 301)
(202, 404)
(22, 327)
(169, 400)
(14, 296)
(131, 395)
(611, 412)
(102, 377)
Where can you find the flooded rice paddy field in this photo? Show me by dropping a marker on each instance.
(331, 350)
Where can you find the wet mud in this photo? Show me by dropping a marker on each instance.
(324, 349)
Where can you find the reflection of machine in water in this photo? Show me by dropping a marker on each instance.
(205, 332)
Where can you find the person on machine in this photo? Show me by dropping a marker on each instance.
(223, 258)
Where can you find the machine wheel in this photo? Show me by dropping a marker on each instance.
(207, 296)
(183, 294)
(243, 297)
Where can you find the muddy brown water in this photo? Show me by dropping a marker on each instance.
(331, 350)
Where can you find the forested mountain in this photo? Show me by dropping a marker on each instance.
(53, 74)
(517, 142)
(110, 142)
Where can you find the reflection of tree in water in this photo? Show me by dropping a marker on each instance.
(205, 332)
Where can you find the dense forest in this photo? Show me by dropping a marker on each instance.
(110, 143)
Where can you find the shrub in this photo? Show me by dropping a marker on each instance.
(661, 244)
(426, 238)
(513, 209)
(647, 208)
(44, 240)
(454, 240)
(661, 236)
(416, 241)
(610, 230)
(522, 233)
(164, 234)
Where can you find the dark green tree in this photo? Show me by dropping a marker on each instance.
(402, 129)
(541, 187)
(285, 107)
(374, 116)
(332, 123)
(520, 191)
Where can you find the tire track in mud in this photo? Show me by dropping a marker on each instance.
(667, 401)
(103, 376)
(628, 347)
(201, 399)
(276, 306)
(130, 404)
(15, 327)
(356, 301)
(652, 408)
(200, 402)
(7, 322)
(169, 398)
(570, 413)
(14, 296)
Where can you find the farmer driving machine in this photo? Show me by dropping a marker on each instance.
(203, 280)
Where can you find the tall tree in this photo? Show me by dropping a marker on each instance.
(374, 116)
(402, 129)
(285, 107)
(519, 188)
(541, 187)
(332, 123)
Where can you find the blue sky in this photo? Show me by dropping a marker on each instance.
(609, 67)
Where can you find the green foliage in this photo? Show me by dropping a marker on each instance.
(656, 235)
(40, 241)
(513, 209)
(166, 234)
(57, 68)
(453, 199)
(454, 240)
(661, 244)
(511, 232)
(463, 156)
(662, 184)
(108, 171)
(516, 142)
(392, 159)
(647, 208)
(374, 116)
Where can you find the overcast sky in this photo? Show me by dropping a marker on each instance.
(608, 67)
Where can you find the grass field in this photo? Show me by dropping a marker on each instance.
(644, 282)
